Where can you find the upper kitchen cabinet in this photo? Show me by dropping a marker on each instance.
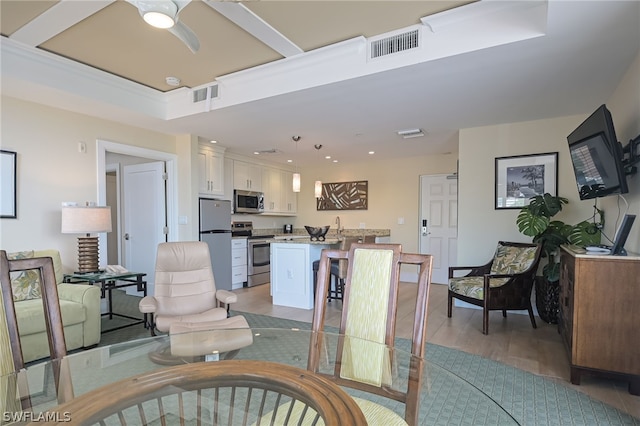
(289, 198)
(279, 198)
(247, 176)
(210, 170)
(272, 189)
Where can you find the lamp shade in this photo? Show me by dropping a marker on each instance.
(86, 220)
(317, 189)
(296, 182)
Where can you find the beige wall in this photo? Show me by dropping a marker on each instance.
(394, 191)
(480, 226)
(51, 170)
(624, 105)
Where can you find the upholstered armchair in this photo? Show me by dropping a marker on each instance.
(185, 290)
(504, 283)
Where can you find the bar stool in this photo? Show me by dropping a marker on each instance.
(335, 291)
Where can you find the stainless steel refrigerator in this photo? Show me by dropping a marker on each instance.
(215, 230)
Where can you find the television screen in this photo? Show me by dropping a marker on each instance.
(597, 156)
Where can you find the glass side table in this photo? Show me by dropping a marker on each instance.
(108, 282)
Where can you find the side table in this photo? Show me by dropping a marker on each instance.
(108, 282)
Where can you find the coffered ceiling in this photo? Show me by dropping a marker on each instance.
(556, 58)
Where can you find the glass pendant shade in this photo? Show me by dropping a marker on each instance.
(296, 182)
(318, 189)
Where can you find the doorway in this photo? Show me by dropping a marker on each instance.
(439, 223)
(116, 154)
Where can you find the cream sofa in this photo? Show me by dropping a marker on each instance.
(80, 306)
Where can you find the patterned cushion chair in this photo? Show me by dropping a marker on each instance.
(504, 283)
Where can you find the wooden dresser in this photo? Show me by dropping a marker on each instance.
(600, 314)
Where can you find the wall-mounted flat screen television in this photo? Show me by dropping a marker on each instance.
(597, 157)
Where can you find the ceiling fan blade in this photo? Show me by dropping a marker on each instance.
(187, 36)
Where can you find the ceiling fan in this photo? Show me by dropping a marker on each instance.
(164, 14)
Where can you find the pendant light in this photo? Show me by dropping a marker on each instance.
(317, 187)
(296, 175)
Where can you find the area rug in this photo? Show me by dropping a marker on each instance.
(526, 398)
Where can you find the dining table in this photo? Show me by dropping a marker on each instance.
(142, 382)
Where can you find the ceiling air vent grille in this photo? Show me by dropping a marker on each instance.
(394, 44)
(200, 95)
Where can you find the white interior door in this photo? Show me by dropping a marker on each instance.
(144, 218)
(439, 223)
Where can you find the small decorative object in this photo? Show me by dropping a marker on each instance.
(8, 185)
(344, 196)
(524, 176)
(317, 233)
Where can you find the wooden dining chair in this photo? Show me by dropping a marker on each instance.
(10, 348)
(368, 323)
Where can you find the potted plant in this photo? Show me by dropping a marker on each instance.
(534, 220)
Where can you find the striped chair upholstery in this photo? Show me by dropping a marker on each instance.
(367, 324)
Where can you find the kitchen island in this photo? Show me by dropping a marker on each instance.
(292, 270)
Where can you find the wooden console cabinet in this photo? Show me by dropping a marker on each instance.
(599, 317)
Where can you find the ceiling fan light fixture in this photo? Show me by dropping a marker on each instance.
(158, 19)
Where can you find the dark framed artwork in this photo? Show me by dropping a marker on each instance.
(344, 196)
(521, 177)
(8, 193)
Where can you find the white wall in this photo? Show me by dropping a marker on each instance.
(51, 170)
(394, 191)
(624, 105)
(481, 226)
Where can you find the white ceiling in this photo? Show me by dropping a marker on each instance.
(571, 67)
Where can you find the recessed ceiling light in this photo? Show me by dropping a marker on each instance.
(328, 157)
(173, 81)
(256, 152)
(411, 133)
(213, 141)
(371, 152)
(289, 161)
(335, 161)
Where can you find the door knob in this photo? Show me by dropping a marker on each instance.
(126, 236)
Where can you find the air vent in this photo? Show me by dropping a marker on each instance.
(200, 95)
(269, 151)
(394, 44)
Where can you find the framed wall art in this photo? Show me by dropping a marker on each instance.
(521, 177)
(344, 196)
(8, 185)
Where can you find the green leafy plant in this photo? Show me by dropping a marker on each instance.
(534, 220)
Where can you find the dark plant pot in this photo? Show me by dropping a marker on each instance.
(548, 299)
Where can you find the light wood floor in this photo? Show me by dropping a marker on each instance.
(511, 340)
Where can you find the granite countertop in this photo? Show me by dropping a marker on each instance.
(301, 232)
(300, 239)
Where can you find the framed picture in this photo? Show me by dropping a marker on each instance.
(524, 176)
(344, 196)
(8, 185)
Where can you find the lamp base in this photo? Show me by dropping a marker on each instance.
(87, 255)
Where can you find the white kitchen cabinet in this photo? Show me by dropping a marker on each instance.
(292, 273)
(238, 262)
(272, 189)
(247, 176)
(228, 181)
(289, 198)
(210, 170)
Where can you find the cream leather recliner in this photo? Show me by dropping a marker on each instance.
(185, 290)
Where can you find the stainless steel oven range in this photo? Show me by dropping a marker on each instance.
(258, 253)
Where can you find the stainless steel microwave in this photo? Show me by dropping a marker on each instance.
(248, 201)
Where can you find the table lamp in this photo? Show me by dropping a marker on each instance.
(86, 220)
